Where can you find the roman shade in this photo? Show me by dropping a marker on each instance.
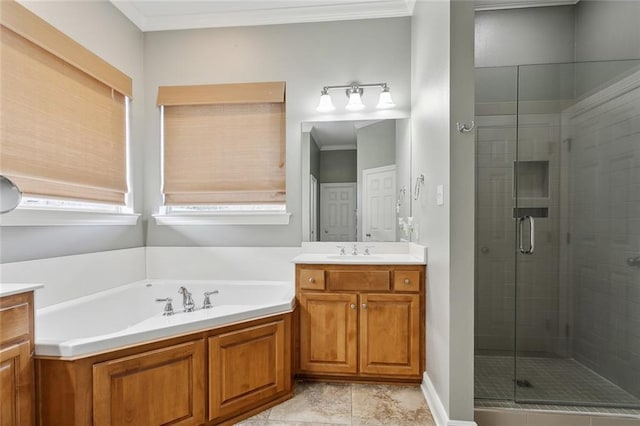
(224, 144)
(62, 113)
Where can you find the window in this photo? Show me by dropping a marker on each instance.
(63, 112)
(223, 147)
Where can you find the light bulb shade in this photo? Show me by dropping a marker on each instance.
(355, 102)
(385, 100)
(325, 104)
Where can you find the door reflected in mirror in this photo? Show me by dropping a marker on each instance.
(356, 180)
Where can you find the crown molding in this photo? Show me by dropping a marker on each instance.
(483, 5)
(306, 12)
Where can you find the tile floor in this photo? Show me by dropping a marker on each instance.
(556, 380)
(348, 404)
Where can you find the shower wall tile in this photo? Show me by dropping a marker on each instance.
(605, 227)
(538, 286)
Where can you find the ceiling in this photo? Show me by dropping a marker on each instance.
(161, 15)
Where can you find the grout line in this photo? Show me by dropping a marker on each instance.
(351, 405)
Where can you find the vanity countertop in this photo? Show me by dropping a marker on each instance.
(375, 259)
(11, 289)
(381, 254)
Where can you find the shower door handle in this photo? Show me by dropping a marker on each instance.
(532, 237)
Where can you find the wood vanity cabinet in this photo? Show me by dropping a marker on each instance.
(16, 362)
(363, 322)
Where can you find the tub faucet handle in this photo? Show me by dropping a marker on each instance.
(207, 301)
(168, 308)
(187, 300)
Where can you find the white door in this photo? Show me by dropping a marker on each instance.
(379, 204)
(337, 212)
(313, 208)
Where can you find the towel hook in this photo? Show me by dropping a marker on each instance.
(462, 128)
(419, 183)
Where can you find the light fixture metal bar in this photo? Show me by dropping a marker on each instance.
(349, 86)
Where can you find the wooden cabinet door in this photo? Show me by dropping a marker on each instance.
(16, 385)
(328, 333)
(164, 386)
(247, 367)
(390, 334)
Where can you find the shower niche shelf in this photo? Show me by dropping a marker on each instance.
(537, 212)
(532, 179)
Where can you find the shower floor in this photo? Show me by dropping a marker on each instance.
(551, 380)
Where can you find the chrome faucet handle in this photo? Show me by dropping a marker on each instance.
(366, 250)
(207, 301)
(354, 252)
(342, 250)
(187, 301)
(168, 308)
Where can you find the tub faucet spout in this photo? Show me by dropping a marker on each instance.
(187, 300)
(207, 300)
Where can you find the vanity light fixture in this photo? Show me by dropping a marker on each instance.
(354, 92)
(355, 99)
(325, 104)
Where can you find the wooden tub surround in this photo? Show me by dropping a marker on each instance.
(360, 323)
(16, 363)
(211, 377)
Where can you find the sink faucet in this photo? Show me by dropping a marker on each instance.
(187, 300)
(354, 252)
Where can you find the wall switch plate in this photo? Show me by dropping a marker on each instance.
(440, 195)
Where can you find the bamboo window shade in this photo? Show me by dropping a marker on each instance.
(224, 144)
(62, 114)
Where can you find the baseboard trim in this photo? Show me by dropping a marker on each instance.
(438, 412)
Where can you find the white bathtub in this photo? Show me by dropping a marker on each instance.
(129, 314)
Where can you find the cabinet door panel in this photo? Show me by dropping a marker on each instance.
(157, 387)
(246, 367)
(328, 332)
(390, 334)
(16, 387)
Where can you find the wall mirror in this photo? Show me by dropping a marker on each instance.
(356, 180)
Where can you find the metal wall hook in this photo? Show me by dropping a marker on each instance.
(462, 128)
(419, 183)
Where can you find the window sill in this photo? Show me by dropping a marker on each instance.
(42, 217)
(235, 218)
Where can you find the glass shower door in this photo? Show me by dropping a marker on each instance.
(496, 119)
(577, 212)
